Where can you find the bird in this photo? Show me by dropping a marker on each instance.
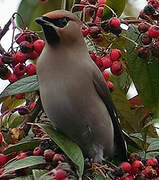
(73, 91)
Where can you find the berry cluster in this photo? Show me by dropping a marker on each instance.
(14, 64)
(94, 30)
(149, 30)
(136, 169)
(108, 60)
(56, 162)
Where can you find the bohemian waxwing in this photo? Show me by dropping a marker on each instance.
(73, 91)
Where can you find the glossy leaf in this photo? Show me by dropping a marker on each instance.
(70, 149)
(24, 85)
(37, 173)
(35, 8)
(24, 163)
(145, 75)
(23, 146)
(117, 6)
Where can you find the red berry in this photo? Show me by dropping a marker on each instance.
(126, 167)
(49, 154)
(1, 171)
(12, 78)
(31, 69)
(99, 12)
(20, 69)
(115, 54)
(94, 31)
(38, 151)
(101, 2)
(98, 62)
(114, 23)
(32, 105)
(110, 85)
(153, 31)
(60, 174)
(85, 32)
(137, 167)
(143, 27)
(58, 157)
(149, 172)
(93, 56)
(146, 39)
(154, 3)
(38, 45)
(19, 57)
(143, 52)
(107, 63)
(106, 75)
(3, 159)
(152, 162)
(26, 47)
(20, 37)
(116, 68)
(33, 55)
(1, 138)
(21, 156)
(20, 96)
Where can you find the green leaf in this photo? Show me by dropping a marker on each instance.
(23, 146)
(70, 149)
(24, 85)
(154, 121)
(35, 8)
(24, 163)
(153, 148)
(117, 6)
(69, 4)
(145, 75)
(99, 177)
(37, 173)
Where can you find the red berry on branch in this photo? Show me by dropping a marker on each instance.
(85, 32)
(58, 157)
(107, 63)
(110, 85)
(31, 69)
(38, 151)
(143, 52)
(19, 57)
(137, 167)
(60, 174)
(152, 162)
(116, 68)
(38, 45)
(20, 69)
(26, 47)
(1, 138)
(31, 105)
(49, 154)
(12, 78)
(146, 39)
(20, 38)
(106, 75)
(33, 55)
(114, 23)
(20, 96)
(143, 27)
(93, 56)
(3, 159)
(126, 167)
(153, 31)
(154, 3)
(98, 62)
(101, 2)
(99, 12)
(115, 54)
(21, 156)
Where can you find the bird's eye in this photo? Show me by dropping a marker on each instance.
(59, 22)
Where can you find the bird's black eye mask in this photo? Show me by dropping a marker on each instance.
(59, 22)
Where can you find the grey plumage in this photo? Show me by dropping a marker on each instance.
(73, 91)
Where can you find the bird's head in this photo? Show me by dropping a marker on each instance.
(60, 26)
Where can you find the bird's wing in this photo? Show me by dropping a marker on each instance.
(105, 95)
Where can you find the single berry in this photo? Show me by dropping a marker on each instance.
(137, 167)
(126, 167)
(38, 151)
(115, 54)
(20, 69)
(106, 75)
(93, 56)
(3, 159)
(12, 78)
(58, 157)
(20, 96)
(110, 85)
(85, 32)
(20, 38)
(19, 57)
(107, 63)
(33, 55)
(38, 45)
(31, 106)
(143, 27)
(153, 31)
(152, 162)
(98, 61)
(114, 23)
(101, 2)
(31, 69)
(116, 68)
(21, 156)
(60, 174)
(26, 47)
(154, 3)
(146, 39)
(49, 154)
(143, 52)
(149, 10)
